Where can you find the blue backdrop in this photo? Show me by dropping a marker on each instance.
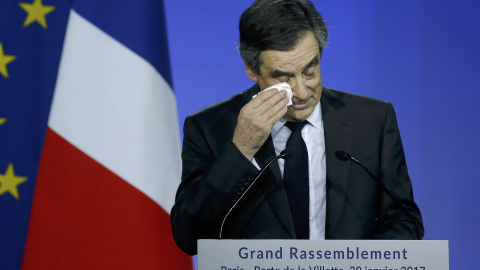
(423, 56)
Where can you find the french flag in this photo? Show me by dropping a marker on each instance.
(110, 164)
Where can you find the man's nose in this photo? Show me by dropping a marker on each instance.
(300, 89)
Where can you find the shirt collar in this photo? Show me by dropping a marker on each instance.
(315, 119)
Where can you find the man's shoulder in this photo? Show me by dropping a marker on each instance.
(348, 97)
(337, 99)
(227, 107)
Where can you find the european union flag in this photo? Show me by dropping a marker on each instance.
(31, 40)
(85, 91)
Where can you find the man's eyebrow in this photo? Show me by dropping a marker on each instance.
(315, 61)
(279, 73)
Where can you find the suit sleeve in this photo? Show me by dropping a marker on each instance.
(392, 221)
(212, 173)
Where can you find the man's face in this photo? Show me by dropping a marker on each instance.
(302, 66)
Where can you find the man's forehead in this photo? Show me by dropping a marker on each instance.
(305, 51)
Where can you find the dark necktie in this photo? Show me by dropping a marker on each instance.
(295, 177)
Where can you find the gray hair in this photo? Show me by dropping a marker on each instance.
(277, 25)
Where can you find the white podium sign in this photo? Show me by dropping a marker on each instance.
(323, 255)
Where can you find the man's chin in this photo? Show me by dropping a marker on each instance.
(296, 115)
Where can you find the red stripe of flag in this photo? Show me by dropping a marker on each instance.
(86, 217)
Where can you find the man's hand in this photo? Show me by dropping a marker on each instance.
(256, 120)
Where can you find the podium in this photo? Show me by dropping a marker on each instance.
(323, 255)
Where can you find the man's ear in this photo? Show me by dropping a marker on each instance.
(250, 73)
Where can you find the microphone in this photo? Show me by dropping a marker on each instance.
(344, 156)
(286, 153)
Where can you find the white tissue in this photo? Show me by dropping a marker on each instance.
(282, 86)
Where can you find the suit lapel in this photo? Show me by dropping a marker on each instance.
(272, 185)
(338, 131)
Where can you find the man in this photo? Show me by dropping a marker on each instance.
(320, 197)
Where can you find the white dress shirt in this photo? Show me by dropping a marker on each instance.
(314, 138)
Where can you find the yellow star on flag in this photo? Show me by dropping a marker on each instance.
(36, 13)
(9, 182)
(4, 61)
(2, 120)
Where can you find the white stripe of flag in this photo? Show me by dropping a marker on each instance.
(114, 106)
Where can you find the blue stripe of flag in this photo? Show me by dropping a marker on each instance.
(132, 23)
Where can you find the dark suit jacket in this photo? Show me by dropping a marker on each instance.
(215, 173)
